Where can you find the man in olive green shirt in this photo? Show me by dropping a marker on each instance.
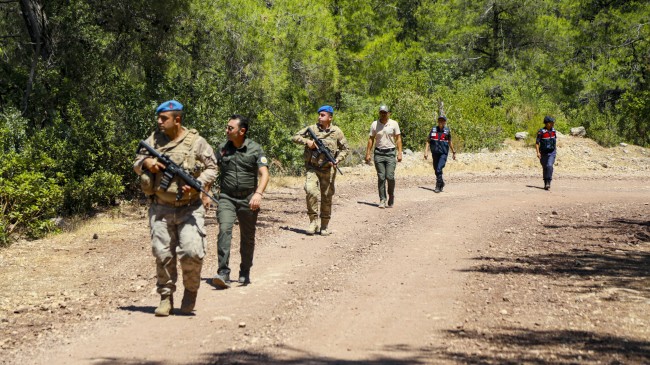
(240, 161)
(320, 173)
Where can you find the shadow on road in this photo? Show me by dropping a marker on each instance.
(404, 355)
(515, 346)
(368, 203)
(535, 187)
(293, 229)
(142, 309)
(425, 188)
(624, 267)
(525, 346)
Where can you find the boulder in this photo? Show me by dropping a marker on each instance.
(578, 132)
(521, 135)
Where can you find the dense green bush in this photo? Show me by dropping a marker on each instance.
(75, 101)
(27, 202)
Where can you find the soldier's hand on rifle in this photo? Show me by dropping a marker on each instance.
(186, 189)
(311, 144)
(152, 165)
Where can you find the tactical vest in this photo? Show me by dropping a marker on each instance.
(439, 140)
(329, 138)
(183, 154)
(547, 140)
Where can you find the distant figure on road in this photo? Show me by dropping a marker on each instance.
(320, 173)
(241, 161)
(176, 215)
(386, 137)
(546, 149)
(439, 142)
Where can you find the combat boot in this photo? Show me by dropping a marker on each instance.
(547, 185)
(437, 189)
(189, 301)
(221, 281)
(323, 227)
(165, 307)
(244, 278)
(442, 185)
(391, 201)
(313, 227)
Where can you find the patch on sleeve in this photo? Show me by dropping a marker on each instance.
(264, 160)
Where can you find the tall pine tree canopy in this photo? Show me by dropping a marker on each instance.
(79, 79)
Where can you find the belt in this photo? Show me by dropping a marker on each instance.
(177, 204)
(384, 150)
(240, 193)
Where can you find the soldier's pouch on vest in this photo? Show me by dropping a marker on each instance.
(147, 183)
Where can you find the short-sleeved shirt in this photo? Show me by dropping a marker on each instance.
(439, 139)
(239, 167)
(385, 134)
(546, 139)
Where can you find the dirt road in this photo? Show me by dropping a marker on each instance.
(486, 272)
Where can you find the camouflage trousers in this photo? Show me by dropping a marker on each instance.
(177, 232)
(320, 182)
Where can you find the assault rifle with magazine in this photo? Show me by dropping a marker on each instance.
(321, 148)
(171, 170)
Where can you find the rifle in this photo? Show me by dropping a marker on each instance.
(320, 147)
(171, 170)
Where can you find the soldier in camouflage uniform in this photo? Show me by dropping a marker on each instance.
(176, 216)
(240, 161)
(320, 173)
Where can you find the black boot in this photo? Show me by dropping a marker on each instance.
(442, 185)
(547, 185)
(437, 189)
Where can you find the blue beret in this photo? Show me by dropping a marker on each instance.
(548, 119)
(326, 108)
(168, 106)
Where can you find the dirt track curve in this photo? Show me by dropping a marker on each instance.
(412, 284)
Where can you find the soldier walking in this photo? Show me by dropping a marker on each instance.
(439, 142)
(244, 174)
(386, 137)
(321, 173)
(176, 215)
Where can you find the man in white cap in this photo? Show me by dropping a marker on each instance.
(387, 139)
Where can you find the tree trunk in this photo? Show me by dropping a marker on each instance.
(36, 23)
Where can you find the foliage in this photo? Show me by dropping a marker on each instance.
(78, 93)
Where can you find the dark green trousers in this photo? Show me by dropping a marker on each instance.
(229, 209)
(385, 163)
